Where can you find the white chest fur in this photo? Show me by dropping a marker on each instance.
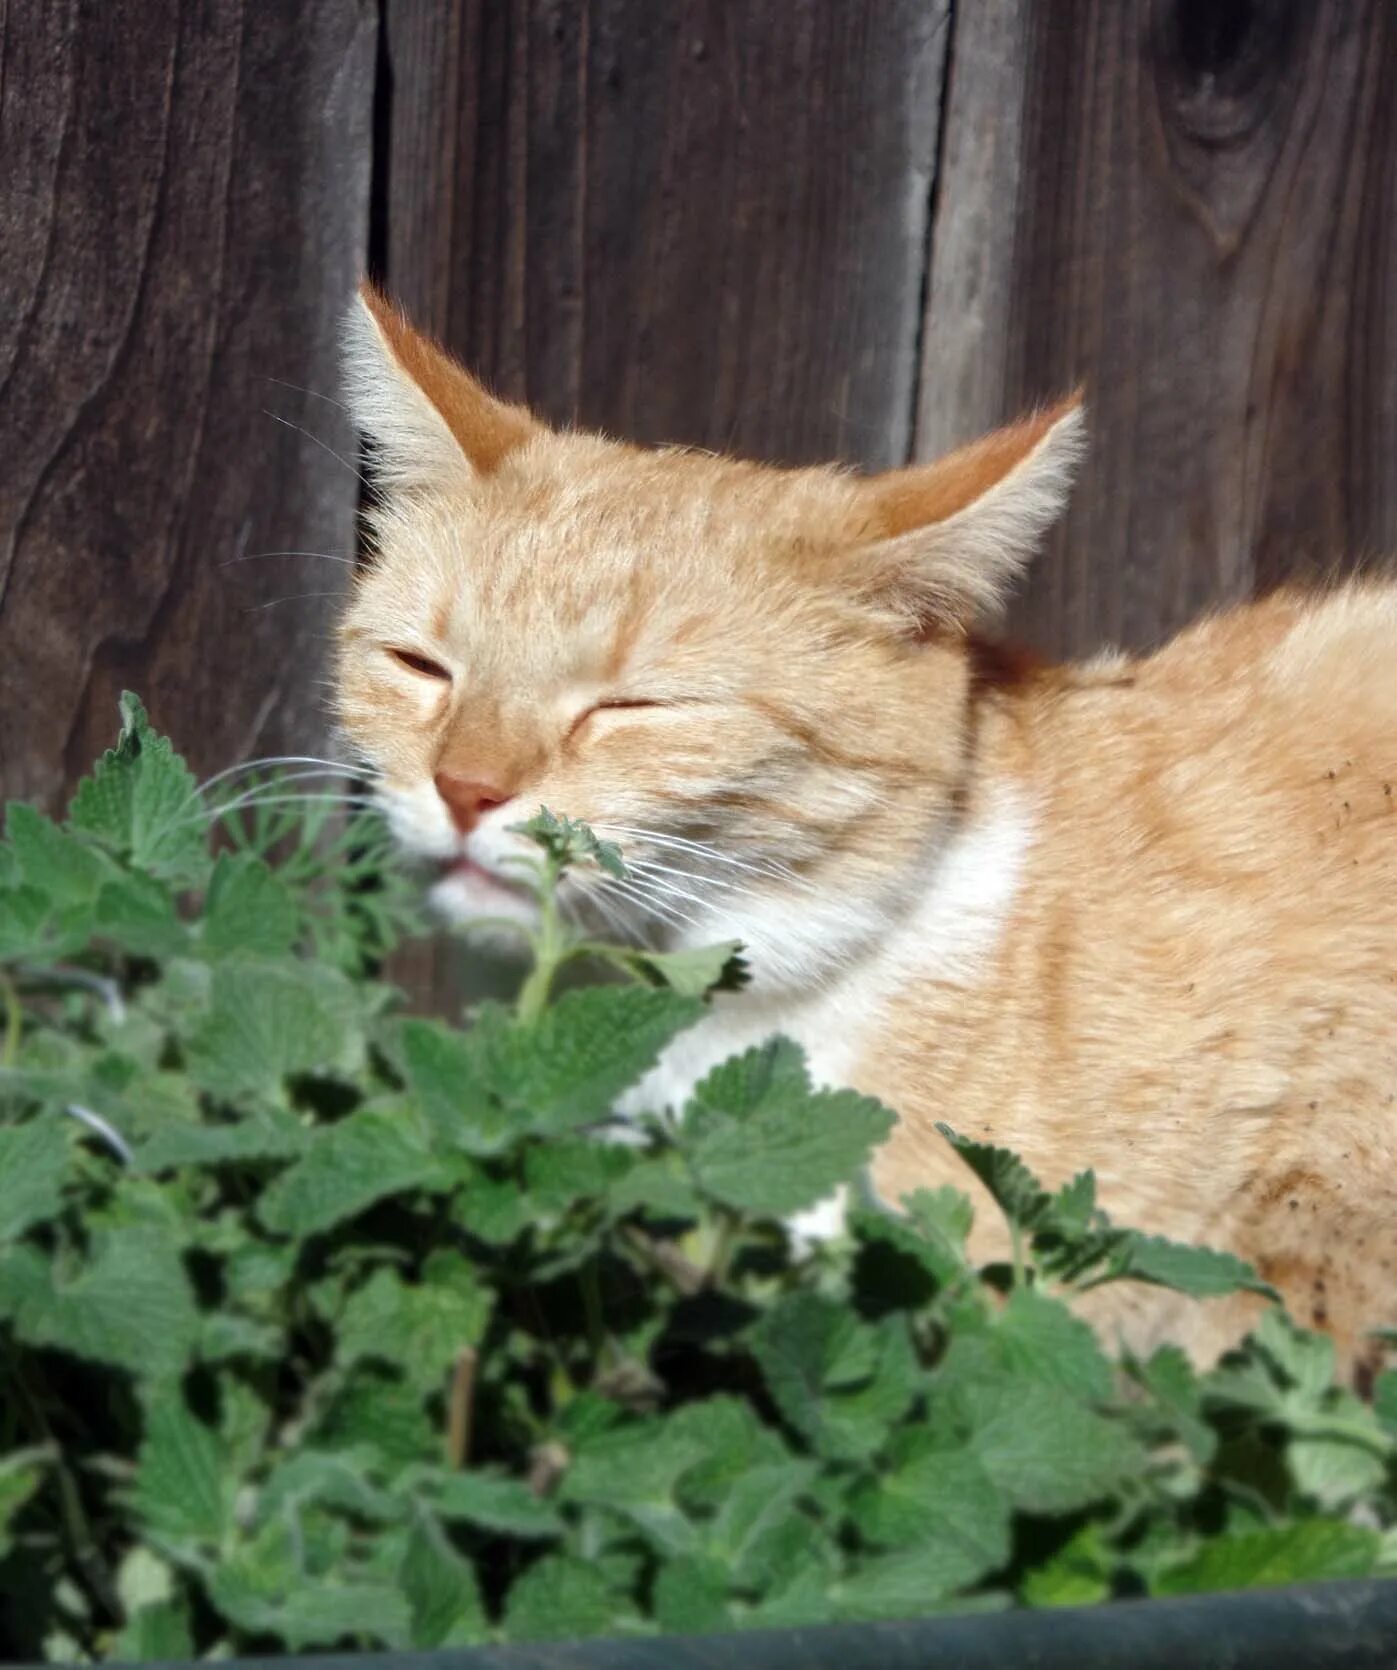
(948, 936)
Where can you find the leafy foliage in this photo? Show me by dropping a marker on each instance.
(326, 1327)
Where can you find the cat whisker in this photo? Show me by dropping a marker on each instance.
(650, 902)
(649, 867)
(293, 597)
(323, 445)
(770, 868)
(210, 815)
(270, 760)
(259, 556)
(296, 388)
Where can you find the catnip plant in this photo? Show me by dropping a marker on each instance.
(324, 1325)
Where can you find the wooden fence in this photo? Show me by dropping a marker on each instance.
(863, 229)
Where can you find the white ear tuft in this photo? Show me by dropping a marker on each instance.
(967, 525)
(428, 420)
(412, 444)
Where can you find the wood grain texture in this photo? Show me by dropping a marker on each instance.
(183, 213)
(1204, 231)
(689, 221)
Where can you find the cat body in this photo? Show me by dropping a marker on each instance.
(1136, 915)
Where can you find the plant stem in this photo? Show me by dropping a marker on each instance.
(9, 1051)
(459, 1408)
(1016, 1252)
(550, 944)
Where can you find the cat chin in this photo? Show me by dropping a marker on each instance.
(461, 899)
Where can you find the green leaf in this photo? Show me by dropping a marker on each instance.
(269, 1133)
(21, 1474)
(1311, 1551)
(568, 1067)
(1039, 1338)
(130, 1305)
(743, 1535)
(761, 1140)
(900, 1586)
(701, 969)
(156, 1633)
(269, 1020)
(1047, 1452)
(560, 1599)
(142, 801)
(419, 1327)
(840, 1382)
(248, 908)
(137, 915)
(352, 1164)
(1170, 1377)
(33, 1162)
(1013, 1187)
(488, 1501)
(569, 842)
(180, 1496)
(262, 1587)
(441, 1589)
(569, 1169)
(1077, 1574)
(53, 861)
(450, 1079)
(1198, 1271)
(939, 1500)
(691, 1597)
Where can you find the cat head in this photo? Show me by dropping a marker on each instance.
(753, 679)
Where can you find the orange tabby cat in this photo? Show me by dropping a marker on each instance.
(1138, 915)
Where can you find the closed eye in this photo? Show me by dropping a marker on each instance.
(616, 704)
(423, 665)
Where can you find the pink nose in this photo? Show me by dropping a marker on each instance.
(467, 800)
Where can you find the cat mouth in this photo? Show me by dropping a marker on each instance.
(464, 868)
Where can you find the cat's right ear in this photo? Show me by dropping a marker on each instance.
(427, 420)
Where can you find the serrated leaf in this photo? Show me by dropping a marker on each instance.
(155, 1633)
(757, 1507)
(262, 1588)
(567, 1068)
(268, 1133)
(1171, 1378)
(761, 1140)
(691, 1597)
(1012, 1186)
(248, 908)
(448, 1073)
(142, 801)
(137, 915)
(1044, 1450)
(53, 861)
(488, 1501)
(352, 1164)
(1197, 1271)
(943, 1501)
(269, 1020)
(33, 1161)
(441, 1589)
(130, 1305)
(180, 1496)
(839, 1381)
(1038, 1337)
(420, 1327)
(1311, 1551)
(568, 1169)
(1078, 1574)
(561, 1599)
(700, 969)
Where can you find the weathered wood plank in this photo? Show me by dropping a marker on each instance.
(689, 221)
(183, 210)
(1204, 230)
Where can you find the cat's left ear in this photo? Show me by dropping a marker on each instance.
(957, 533)
(427, 420)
